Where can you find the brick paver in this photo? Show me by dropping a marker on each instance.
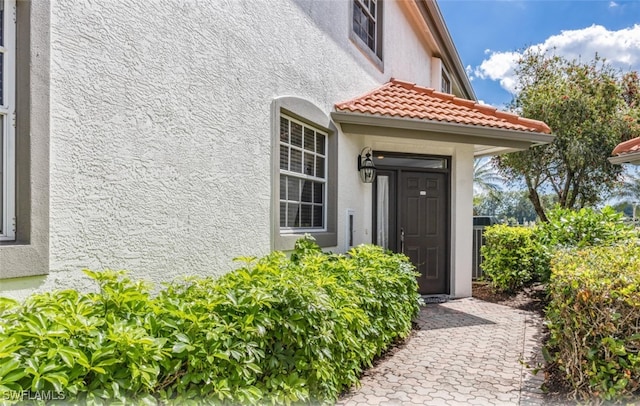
(465, 352)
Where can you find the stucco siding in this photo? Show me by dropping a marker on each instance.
(407, 56)
(160, 127)
(462, 220)
(157, 164)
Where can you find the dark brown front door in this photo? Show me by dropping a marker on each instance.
(422, 227)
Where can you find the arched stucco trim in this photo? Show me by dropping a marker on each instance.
(309, 113)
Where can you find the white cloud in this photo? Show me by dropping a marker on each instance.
(620, 48)
(613, 4)
(499, 67)
(469, 71)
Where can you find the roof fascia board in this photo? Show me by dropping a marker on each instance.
(437, 131)
(435, 21)
(416, 19)
(494, 151)
(431, 136)
(629, 158)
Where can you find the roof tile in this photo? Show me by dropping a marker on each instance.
(626, 147)
(398, 98)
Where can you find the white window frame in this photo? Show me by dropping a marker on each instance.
(302, 176)
(7, 112)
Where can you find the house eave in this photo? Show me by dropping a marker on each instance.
(502, 140)
(628, 158)
(483, 151)
(445, 42)
(431, 28)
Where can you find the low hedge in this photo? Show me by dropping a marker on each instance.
(579, 229)
(276, 330)
(513, 256)
(594, 320)
(510, 256)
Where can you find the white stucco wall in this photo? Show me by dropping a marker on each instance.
(406, 58)
(462, 220)
(159, 137)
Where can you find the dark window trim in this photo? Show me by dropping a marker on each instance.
(375, 56)
(393, 211)
(7, 96)
(446, 78)
(409, 155)
(307, 112)
(28, 255)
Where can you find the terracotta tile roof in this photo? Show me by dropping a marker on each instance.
(633, 145)
(397, 98)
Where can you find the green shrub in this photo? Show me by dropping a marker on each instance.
(579, 229)
(510, 256)
(594, 319)
(584, 228)
(275, 330)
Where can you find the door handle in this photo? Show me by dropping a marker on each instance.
(402, 240)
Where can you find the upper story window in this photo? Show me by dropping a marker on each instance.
(364, 21)
(445, 86)
(7, 119)
(303, 176)
(367, 27)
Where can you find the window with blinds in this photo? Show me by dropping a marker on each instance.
(303, 176)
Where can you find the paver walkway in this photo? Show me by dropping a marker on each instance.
(465, 352)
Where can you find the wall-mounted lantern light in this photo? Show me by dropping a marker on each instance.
(365, 166)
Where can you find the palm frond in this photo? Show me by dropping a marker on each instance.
(485, 177)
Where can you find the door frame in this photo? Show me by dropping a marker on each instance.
(394, 173)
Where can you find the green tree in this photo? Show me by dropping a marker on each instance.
(486, 178)
(630, 188)
(629, 193)
(508, 206)
(625, 208)
(590, 109)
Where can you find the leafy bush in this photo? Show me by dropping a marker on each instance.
(275, 330)
(584, 228)
(579, 229)
(594, 320)
(510, 256)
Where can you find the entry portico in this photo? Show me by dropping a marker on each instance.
(423, 143)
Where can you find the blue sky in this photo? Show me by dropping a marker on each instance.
(490, 34)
